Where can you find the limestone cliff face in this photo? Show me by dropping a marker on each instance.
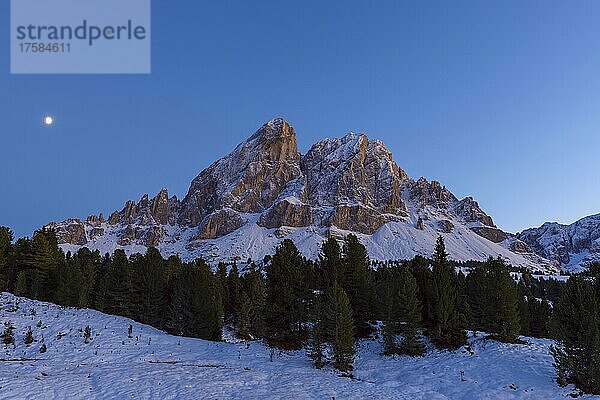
(249, 179)
(354, 170)
(220, 223)
(286, 213)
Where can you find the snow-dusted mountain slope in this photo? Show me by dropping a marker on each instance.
(244, 204)
(574, 246)
(153, 365)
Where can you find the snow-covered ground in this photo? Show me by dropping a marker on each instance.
(154, 365)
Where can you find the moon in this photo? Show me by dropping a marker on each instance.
(48, 120)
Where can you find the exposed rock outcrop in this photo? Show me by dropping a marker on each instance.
(219, 224)
(71, 231)
(286, 213)
(492, 234)
(357, 218)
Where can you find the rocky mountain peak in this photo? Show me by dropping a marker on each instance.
(265, 190)
(249, 179)
(573, 246)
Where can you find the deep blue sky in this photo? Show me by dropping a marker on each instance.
(498, 100)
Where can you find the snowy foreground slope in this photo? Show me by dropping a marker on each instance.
(154, 365)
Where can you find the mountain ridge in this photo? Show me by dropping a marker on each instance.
(266, 190)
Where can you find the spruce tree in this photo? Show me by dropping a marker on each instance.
(388, 293)
(118, 285)
(6, 238)
(233, 292)
(446, 328)
(504, 320)
(178, 310)
(402, 312)
(317, 334)
(420, 270)
(88, 273)
(28, 337)
(330, 263)
(8, 336)
(224, 287)
(195, 309)
(87, 334)
(285, 294)
(69, 283)
(43, 260)
(256, 293)
(244, 316)
(149, 288)
(339, 326)
(539, 317)
(576, 326)
(355, 281)
(479, 298)
(409, 311)
(524, 312)
(207, 307)
(21, 287)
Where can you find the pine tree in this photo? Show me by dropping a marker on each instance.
(409, 310)
(576, 326)
(118, 295)
(419, 268)
(339, 326)
(88, 274)
(479, 298)
(256, 293)
(207, 307)
(285, 294)
(402, 312)
(524, 312)
(28, 337)
(317, 334)
(8, 336)
(196, 309)
(388, 292)
(233, 291)
(69, 282)
(330, 263)
(224, 287)
(504, 321)
(43, 259)
(446, 326)
(21, 287)
(243, 316)
(355, 281)
(149, 288)
(539, 316)
(87, 334)
(6, 238)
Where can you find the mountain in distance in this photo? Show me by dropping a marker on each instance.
(243, 205)
(574, 247)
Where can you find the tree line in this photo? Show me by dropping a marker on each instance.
(324, 305)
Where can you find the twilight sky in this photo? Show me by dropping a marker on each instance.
(497, 99)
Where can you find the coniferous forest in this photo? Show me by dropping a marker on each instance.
(325, 305)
